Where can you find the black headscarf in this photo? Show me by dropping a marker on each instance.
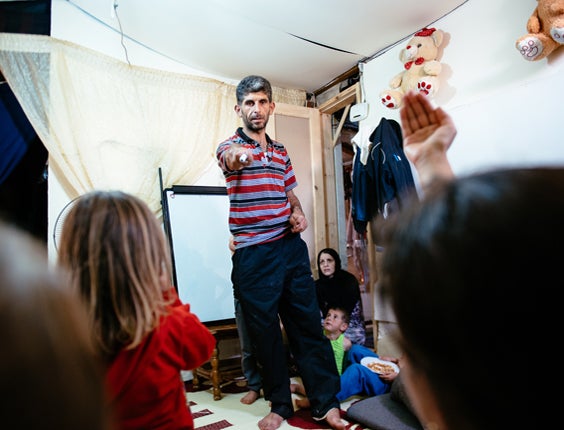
(341, 290)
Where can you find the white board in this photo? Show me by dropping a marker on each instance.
(196, 223)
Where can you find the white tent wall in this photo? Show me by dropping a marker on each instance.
(506, 109)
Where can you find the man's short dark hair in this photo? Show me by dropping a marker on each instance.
(253, 84)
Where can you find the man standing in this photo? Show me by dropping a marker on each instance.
(271, 271)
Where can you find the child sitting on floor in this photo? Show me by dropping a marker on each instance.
(356, 379)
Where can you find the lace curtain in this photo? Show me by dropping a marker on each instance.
(111, 125)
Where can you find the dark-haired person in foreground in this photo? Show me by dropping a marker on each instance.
(473, 273)
(271, 270)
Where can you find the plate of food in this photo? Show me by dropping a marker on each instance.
(379, 366)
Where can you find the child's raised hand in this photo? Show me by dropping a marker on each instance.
(427, 132)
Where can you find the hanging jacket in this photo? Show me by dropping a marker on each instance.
(382, 185)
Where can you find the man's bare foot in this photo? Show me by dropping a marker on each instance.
(250, 397)
(333, 418)
(271, 422)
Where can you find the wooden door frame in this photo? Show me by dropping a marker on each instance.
(312, 115)
(329, 221)
(336, 231)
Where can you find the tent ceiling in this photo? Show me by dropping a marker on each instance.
(301, 44)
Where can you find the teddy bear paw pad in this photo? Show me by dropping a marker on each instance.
(557, 33)
(530, 48)
(424, 88)
(388, 101)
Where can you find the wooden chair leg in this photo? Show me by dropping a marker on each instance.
(215, 377)
(195, 380)
(213, 370)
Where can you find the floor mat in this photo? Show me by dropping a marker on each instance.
(229, 413)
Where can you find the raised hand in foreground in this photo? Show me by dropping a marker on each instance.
(427, 132)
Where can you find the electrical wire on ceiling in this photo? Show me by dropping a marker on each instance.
(121, 32)
(322, 44)
(361, 81)
(387, 48)
(353, 70)
(123, 35)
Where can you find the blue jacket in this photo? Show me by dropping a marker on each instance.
(382, 185)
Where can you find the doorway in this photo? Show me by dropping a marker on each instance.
(334, 112)
(338, 161)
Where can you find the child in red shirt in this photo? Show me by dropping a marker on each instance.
(118, 260)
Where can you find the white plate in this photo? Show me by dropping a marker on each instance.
(367, 360)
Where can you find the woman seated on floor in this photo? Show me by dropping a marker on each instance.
(337, 287)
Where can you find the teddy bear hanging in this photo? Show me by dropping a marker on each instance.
(421, 68)
(545, 31)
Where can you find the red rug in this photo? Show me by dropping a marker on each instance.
(302, 419)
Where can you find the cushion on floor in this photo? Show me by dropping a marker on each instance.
(383, 413)
(391, 411)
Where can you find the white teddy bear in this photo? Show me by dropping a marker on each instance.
(421, 68)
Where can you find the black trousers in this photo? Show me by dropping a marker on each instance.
(271, 280)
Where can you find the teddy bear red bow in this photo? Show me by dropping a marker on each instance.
(421, 68)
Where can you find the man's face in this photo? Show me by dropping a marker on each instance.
(255, 111)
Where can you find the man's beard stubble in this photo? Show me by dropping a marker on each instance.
(251, 126)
